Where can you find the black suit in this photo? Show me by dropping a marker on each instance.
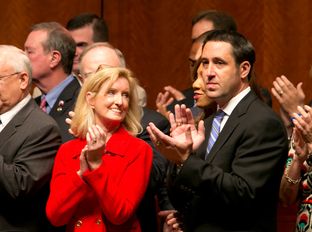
(147, 208)
(28, 144)
(236, 188)
(188, 100)
(60, 111)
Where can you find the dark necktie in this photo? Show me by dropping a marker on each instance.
(215, 130)
(43, 104)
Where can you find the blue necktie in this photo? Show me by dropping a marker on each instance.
(215, 130)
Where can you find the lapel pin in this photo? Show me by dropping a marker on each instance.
(60, 106)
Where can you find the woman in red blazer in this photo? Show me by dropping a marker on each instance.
(100, 177)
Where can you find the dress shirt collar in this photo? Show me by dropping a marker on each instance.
(7, 116)
(230, 106)
(53, 95)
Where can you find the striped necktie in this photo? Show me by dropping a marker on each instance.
(215, 130)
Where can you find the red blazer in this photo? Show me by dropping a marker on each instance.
(104, 199)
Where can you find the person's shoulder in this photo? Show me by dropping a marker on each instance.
(124, 143)
(153, 116)
(74, 143)
(260, 113)
(36, 115)
(71, 89)
(189, 93)
(132, 140)
(72, 148)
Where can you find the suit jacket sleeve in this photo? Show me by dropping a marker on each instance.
(67, 189)
(30, 167)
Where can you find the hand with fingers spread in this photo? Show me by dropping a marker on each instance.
(183, 116)
(288, 95)
(162, 101)
(184, 137)
(96, 140)
(176, 94)
(300, 147)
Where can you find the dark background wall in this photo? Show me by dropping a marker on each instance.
(154, 35)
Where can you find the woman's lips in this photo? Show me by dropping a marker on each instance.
(197, 95)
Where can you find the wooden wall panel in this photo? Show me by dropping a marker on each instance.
(155, 37)
(17, 16)
(155, 34)
(287, 42)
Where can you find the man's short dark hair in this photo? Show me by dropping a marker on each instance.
(99, 26)
(220, 20)
(243, 50)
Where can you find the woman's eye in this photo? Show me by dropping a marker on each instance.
(110, 92)
(126, 95)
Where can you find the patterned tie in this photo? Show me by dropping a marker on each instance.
(215, 130)
(43, 104)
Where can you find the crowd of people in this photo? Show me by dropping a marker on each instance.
(81, 151)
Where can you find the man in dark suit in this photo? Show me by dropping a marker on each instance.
(157, 186)
(51, 51)
(227, 182)
(29, 140)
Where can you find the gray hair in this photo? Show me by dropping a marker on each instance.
(15, 58)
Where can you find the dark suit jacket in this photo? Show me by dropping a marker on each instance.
(188, 100)
(28, 145)
(147, 209)
(60, 112)
(236, 188)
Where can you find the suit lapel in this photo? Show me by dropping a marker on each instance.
(17, 120)
(64, 101)
(231, 125)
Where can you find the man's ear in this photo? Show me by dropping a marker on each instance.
(55, 58)
(24, 80)
(244, 69)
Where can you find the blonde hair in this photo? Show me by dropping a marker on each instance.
(84, 115)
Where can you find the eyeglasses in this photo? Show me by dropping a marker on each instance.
(8, 75)
(85, 75)
(101, 67)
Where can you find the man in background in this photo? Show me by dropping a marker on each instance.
(51, 51)
(86, 29)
